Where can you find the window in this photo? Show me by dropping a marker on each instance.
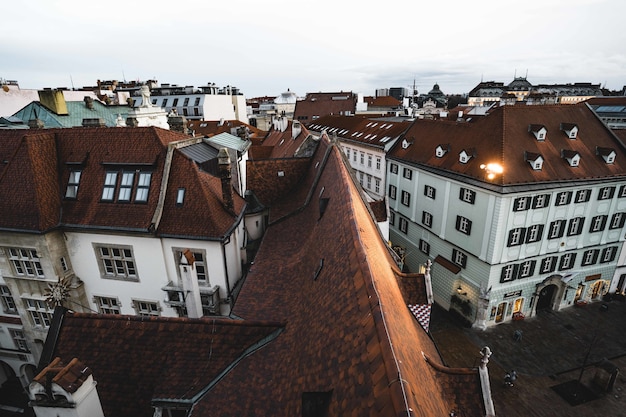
(393, 168)
(527, 269)
(143, 186)
(541, 201)
(427, 219)
(392, 192)
(508, 273)
(608, 254)
(557, 229)
(606, 193)
(467, 195)
(589, 257)
(377, 185)
(175, 103)
(567, 261)
(369, 160)
(146, 308)
(392, 218)
(117, 262)
(369, 182)
(463, 225)
(407, 173)
(459, 258)
(563, 198)
(197, 101)
(8, 303)
(19, 340)
(126, 185)
(622, 191)
(26, 262)
(534, 233)
(521, 203)
(548, 265)
(110, 182)
(354, 156)
(107, 305)
(164, 104)
(598, 223)
(63, 263)
(362, 158)
(424, 246)
(199, 264)
(361, 174)
(403, 225)
(617, 221)
(348, 153)
(575, 226)
(516, 236)
(72, 184)
(186, 102)
(180, 196)
(429, 191)
(378, 163)
(582, 196)
(406, 198)
(40, 313)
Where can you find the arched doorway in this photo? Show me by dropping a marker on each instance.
(546, 297)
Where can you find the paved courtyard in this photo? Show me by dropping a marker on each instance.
(550, 350)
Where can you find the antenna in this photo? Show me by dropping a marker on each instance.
(72, 82)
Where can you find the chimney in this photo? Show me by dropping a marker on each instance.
(296, 129)
(224, 166)
(65, 391)
(53, 100)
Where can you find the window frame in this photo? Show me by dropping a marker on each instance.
(548, 264)
(466, 195)
(117, 263)
(407, 173)
(107, 305)
(393, 191)
(459, 258)
(534, 233)
(430, 191)
(403, 225)
(563, 198)
(427, 219)
(73, 184)
(598, 223)
(463, 225)
(406, 198)
(393, 168)
(590, 257)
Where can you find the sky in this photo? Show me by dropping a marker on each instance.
(267, 47)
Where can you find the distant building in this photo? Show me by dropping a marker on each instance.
(316, 105)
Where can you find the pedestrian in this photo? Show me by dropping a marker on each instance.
(509, 378)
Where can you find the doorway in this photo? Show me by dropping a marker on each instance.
(546, 298)
(500, 312)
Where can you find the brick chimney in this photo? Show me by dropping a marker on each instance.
(224, 167)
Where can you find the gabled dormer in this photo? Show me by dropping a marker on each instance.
(534, 159)
(607, 154)
(572, 157)
(442, 149)
(570, 129)
(539, 131)
(406, 143)
(466, 155)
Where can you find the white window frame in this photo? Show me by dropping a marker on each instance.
(108, 305)
(427, 219)
(146, 308)
(406, 198)
(117, 262)
(39, 312)
(26, 262)
(403, 225)
(8, 302)
(73, 183)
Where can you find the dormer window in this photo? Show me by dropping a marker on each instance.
(406, 144)
(534, 159)
(133, 186)
(465, 156)
(441, 150)
(72, 184)
(180, 197)
(572, 157)
(539, 131)
(570, 129)
(607, 154)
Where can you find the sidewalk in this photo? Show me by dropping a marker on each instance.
(551, 351)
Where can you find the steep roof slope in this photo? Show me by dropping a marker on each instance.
(349, 337)
(504, 137)
(136, 360)
(29, 184)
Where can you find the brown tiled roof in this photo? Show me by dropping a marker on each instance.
(322, 104)
(135, 360)
(503, 137)
(382, 101)
(361, 130)
(282, 144)
(348, 330)
(34, 178)
(212, 128)
(69, 377)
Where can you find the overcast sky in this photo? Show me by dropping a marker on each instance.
(266, 47)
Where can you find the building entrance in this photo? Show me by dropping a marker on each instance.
(546, 298)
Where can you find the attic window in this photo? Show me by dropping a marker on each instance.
(570, 129)
(316, 404)
(406, 144)
(572, 157)
(72, 184)
(539, 131)
(441, 150)
(534, 159)
(180, 196)
(607, 154)
(464, 156)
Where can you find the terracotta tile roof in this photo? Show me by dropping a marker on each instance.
(348, 331)
(282, 143)
(136, 360)
(215, 127)
(34, 179)
(364, 131)
(503, 137)
(382, 101)
(322, 104)
(69, 377)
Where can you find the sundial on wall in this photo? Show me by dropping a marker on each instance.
(58, 292)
